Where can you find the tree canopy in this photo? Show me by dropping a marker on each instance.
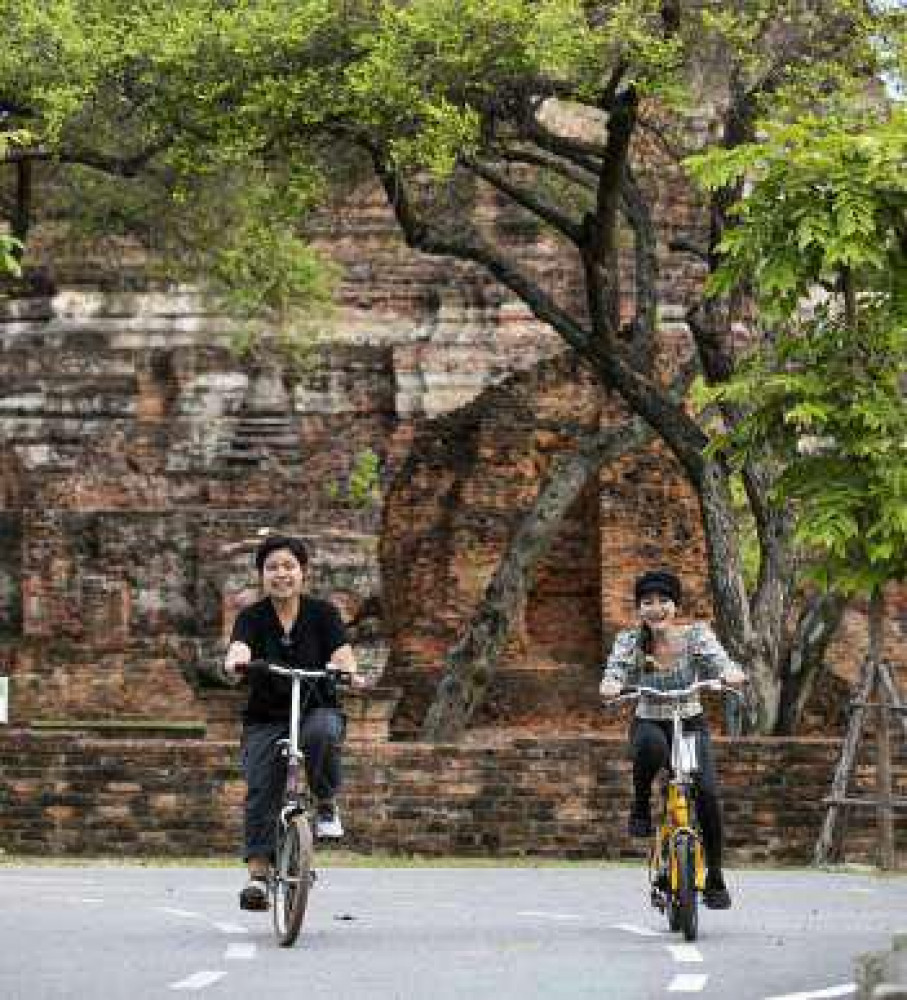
(220, 123)
(821, 238)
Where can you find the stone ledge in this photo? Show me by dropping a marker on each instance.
(190, 729)
(368, 713)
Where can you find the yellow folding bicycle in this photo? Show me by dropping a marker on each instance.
(676, 857)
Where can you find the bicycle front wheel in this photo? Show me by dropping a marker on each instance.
(292, 878)
(686, 901)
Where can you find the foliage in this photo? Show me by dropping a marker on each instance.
(826, 198)
(363, 488)
(236, 111)
(821, 241)
(10, 249)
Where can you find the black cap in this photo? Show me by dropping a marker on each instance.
(657, 581)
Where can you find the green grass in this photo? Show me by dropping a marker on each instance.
(351, 859)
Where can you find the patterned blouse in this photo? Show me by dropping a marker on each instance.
(702, 658)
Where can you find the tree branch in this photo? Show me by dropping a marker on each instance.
(599, 248)
(576, 175)
(537, 206)
(471, 664)
(419, 236)
(587, 155)
(117, 166)
(636, 210)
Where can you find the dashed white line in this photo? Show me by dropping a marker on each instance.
(634, 929)
(174, 912)
(687, 983)
(240, 951)
(197, 981)
(549, 916)
(844, 990)
(685, 953)
(231, 928)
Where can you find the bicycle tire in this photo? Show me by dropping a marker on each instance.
(292, 878)
(687, 899)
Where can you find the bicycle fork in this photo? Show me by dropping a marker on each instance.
(677, 825)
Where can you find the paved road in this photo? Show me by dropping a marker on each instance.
(433, 934)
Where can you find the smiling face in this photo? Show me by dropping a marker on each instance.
(657, 610)
(282, 575)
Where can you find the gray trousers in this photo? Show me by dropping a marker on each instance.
(265, 771)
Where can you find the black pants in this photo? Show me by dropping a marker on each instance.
(265, 771)
(650, 741)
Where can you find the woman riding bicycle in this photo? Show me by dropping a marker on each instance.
(663, 654)
(290, 628)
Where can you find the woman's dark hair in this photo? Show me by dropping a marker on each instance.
(657, 581)
(274, 542)
(646, 639)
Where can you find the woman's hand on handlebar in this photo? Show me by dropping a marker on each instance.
(734, 676)
(609, 688)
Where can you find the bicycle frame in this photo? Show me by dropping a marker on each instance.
(676, 857)
(679, 818)
(296, 795)
(292, 875)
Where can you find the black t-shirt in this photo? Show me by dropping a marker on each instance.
(315, 635)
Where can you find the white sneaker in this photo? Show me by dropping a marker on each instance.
(327, 823)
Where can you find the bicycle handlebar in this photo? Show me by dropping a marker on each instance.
(343, 676)
(632, 694)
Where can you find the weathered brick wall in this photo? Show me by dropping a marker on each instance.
(556, 798)
(139, 456)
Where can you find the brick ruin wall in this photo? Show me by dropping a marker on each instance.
(140, 457)
(537, 797)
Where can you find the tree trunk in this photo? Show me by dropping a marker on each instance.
(471, 664)
(804, 662)
(21, 223)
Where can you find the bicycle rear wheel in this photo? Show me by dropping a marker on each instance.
(292, 878)
(686, 908)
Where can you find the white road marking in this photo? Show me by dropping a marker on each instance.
(633, 929)
(94, 900)
(244, 951)
(549, 916)
(844, 990)
(198, 981)
(685, 953)
(222, 926)
(179, 913)
(231, 928)
(687, 983)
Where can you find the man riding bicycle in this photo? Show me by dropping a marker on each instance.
(661, 654)
(287, 627)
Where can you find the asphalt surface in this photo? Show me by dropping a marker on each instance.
(130, 933)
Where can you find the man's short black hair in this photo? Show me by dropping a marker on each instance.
(657, 581)
(274, 542)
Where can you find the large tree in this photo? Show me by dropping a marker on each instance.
(821, 241)
(551, 105)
